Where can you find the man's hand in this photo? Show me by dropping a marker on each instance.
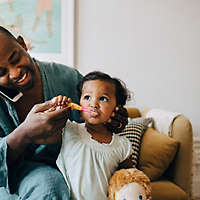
(45, 127)
(118, 120)
(59, 102)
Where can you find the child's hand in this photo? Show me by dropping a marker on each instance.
(61, 101)
(118, 120)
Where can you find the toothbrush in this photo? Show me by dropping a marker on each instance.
(78, 107)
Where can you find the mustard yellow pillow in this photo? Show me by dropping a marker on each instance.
(156, 153)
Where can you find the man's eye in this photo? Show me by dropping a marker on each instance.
(104, 99)
(3, 71)
(87, 97)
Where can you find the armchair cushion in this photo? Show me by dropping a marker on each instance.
(157, 152)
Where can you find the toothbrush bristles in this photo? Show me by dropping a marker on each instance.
(89, 111)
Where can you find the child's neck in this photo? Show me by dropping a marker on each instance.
(99, 133)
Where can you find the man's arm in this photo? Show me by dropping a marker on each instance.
(39, 127)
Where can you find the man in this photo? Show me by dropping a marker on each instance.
(28, 134)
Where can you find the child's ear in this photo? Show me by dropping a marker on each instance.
(21, 42)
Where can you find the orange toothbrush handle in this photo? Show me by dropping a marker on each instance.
(74, 106)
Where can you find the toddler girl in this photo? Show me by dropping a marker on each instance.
(90, 152)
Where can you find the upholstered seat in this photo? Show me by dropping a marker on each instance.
(166, 190)
(176, 184)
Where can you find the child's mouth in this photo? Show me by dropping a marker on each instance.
(92, 113)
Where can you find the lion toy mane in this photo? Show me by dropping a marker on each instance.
(129, 184)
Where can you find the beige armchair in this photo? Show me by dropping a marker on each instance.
(175, 181)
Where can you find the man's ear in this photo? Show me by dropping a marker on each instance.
(21, 42)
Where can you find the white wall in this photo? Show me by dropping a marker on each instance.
(153, 45)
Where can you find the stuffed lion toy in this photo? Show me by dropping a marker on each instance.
(129, 184)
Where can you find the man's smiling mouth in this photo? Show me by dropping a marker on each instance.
(22, 78)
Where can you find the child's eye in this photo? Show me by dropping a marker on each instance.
(87, 97)
(140, 197)
(124, 199)
(103, 99)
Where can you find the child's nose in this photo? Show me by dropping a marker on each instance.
(94, 103)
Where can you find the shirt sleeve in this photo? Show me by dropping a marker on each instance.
(3, 163)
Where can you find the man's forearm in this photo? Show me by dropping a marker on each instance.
(17, 143)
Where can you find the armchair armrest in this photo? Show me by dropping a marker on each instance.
(133, 112)
(181, 169)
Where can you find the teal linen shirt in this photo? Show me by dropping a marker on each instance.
(57, 79)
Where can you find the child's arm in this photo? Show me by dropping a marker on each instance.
(126, 163)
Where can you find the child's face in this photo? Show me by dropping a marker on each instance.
(98, 96)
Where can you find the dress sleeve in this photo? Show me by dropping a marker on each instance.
(126, 148)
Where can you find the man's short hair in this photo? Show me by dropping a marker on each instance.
(7, 33)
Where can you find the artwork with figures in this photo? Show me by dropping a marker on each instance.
(40, 23)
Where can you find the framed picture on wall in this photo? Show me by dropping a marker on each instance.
(47, 27)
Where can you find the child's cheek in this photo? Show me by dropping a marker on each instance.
(84, 115)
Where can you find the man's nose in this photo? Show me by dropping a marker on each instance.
(14, 73)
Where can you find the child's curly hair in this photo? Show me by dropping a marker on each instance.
(121, 92)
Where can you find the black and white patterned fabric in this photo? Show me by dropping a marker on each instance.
(134, 131)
